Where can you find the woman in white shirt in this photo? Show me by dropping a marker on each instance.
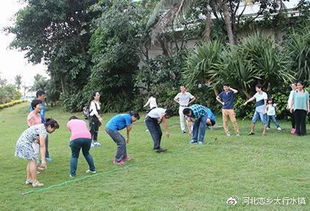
(94, 120)
(151, 102)
(289, 103)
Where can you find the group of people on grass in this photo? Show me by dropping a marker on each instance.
(33, 142)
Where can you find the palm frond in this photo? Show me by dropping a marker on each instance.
(160, 9)
(184, 8)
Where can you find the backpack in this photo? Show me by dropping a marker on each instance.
(86, 112)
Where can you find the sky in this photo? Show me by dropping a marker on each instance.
(12, 61)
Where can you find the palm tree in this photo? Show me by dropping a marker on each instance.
(18, 81)
(169, 14)
(203, 66)
(299, 52)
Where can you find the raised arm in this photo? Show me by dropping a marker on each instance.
(249, 100)
(234, 90)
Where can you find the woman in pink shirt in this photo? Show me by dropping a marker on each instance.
(34, 117)
(80, 139)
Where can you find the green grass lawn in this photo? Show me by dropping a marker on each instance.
(187, 177)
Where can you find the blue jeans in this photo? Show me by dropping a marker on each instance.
(261, 116)
(76, 145)
(199, 129)
(155, 131)
(273, 118)
(121, 152)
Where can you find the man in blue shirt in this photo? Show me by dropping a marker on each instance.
(201, 116)
(227, 98)
(113, 126)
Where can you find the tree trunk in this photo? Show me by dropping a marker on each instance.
(208, 26)
(62, 85)
(164, 45)
(228, 23)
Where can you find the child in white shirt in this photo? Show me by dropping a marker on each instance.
(271, 114)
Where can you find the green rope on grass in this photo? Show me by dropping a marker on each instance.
(97, 174)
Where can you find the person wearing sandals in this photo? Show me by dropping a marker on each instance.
(80, 139)
(113, 126)
(25, 150)
(95, 120)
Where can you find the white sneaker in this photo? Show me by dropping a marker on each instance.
(97, 144)
(89, 171)
(28, 182)
(92, 145)
(279, 129)
(228, 134)
(37, 184)
(238, 134)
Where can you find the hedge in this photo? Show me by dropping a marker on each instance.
(10, 104)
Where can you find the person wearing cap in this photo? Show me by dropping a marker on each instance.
(201, 116)
(113, 126)
(153, 120)
(184, 99)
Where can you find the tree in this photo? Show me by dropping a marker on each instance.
(203, 68)
(40, 83)
(226, 11)
(115, 52)
(299, 51)
(18, 81)
(8, 93)
(57, 32)
(256, 59)
(3, 82)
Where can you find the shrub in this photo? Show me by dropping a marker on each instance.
(10, 104)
